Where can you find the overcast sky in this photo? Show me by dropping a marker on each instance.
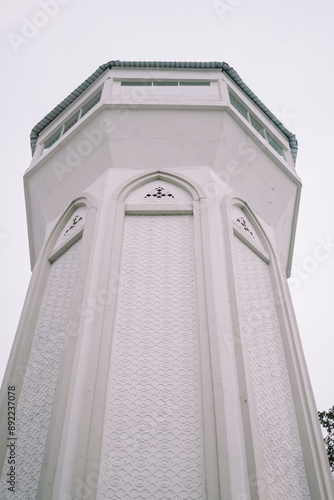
(282, 49)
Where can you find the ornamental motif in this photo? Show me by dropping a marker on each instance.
(241, 221)
(159, 194)
(76, 220)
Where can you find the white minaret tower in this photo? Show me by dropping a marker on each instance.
(157, 356)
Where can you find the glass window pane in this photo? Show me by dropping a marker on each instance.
(274, 144)
(90, 104)
(238, 106)
(141, 83)
(72, 121)
(257, 126)
(54, 138)
(195, 84)
(165, 84)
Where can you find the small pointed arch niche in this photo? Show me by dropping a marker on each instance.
(69, 229)
(246, 228)
(262, 333)
(159, 196)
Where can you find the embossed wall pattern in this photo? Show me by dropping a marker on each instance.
(282, 453)
(153, 432)
(39, 384)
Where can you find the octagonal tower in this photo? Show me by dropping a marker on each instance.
(157, 356)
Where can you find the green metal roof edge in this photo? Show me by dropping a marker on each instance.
(161, 64)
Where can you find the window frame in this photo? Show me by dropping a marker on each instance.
(268, 136)
(79, 112)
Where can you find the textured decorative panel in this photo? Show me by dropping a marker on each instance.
(282, 453)
(153, 434)
(39, 384)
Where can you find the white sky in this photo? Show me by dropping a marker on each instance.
(282, 49)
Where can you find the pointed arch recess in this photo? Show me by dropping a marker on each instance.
(68, 229)
(263, 354)
(46, 328)
(248, 229)
(129, 233)
(194, 189)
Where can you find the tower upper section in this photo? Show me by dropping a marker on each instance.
(164, 115)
